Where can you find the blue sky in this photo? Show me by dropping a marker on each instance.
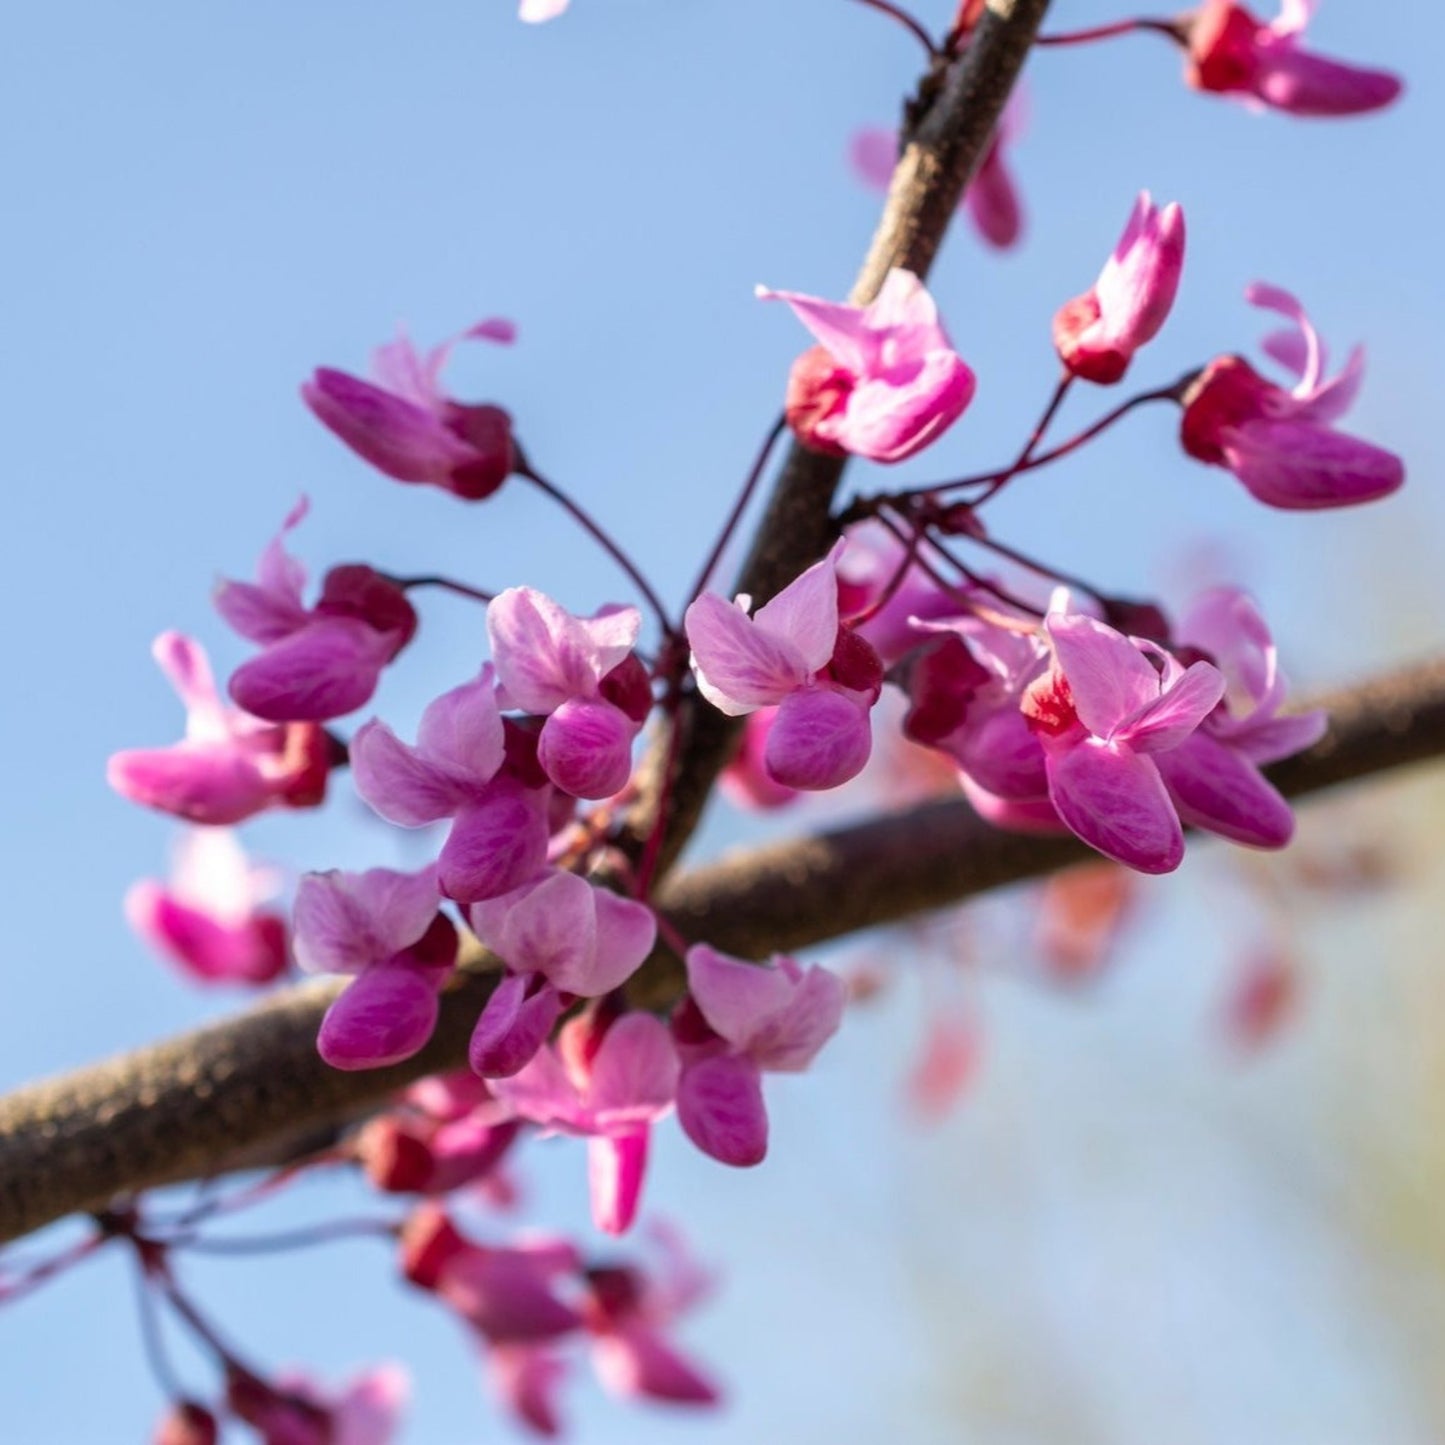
(209, 201)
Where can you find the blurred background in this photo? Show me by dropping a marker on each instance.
(1190, 1194)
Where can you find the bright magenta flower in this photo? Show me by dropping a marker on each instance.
(209, 918)
(1097, 334)
(1280, 443)
(406, 426)
(884, 380)
(229, 766)
(1232, 53)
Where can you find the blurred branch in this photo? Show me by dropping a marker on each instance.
(223, 1095)
(949, 124)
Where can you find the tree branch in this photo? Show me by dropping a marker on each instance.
(200, 1102)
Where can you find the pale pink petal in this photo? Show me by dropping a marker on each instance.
(889, 422)
(184, 662)
(462, 730)
(534, 12)
(1137, 286)
(1280, 737)
(786, 1042)
(1214, 787)
(740, 667)
(505, 1297)
(1116, 802)
(256, 612)
(544, 1093)
(1109, 677)
(384, 1015)
(347, 921)
(626, 933)
(873, 153)
(528, 1379)
(840, 328)
(549, 928)
(1302, 83)
(720, 1107)
(635, 1362)
(820, 739)
(634, 1072)
(202, 784)
(992, 200)
(1177, 712)
(544, 655)
(401, 785)
(1284, 303)
(370, 1410)
(733, 994)
(804, 615)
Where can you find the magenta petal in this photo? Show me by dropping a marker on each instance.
(635, 1362)
(503, 1295)
(528, 1379)
(1116, 802)
(586, 748)
(257, 613)
(804, 615)
(496, 844)
(819, 739)
(616, 1166)
(739, 666)
(1280, 737)
(626, 932)
(992, 201)
(462, 730)
(324, 670)
(734, 994)
(1302, 83)
(889, 422)
(720, 1107)
(1215, 788)
(1300, 466)
(1170, 718)
(201, 783)
(399, 784)
(873, 153)
(634, 1073)
(1109, 678)
(384, 1016)
(513, 1026)
(347, 921)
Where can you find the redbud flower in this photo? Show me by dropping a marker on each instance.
(407, 427)
(383, 927)
(564, 668)
(319, 662)
(991, 202)
(793, 655)
(1232, 53)
(884, 381)
(528, 1379)
(209, 918)
(1279, 443)
(457, 770)
(1097, 334)
(741, 1020)
(609, 1090)
(229, 765)
(1109, 704)
(562, 938)
(294, 1410)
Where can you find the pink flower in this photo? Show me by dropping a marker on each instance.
(209, 919)
(384, 927)
(1231, 53)
(229, 765)
(528, 1379)
(1213, 775)
(459, 769)
(581, 675)
(745, 781)
(407, 427)
(1097, 334)
(319, 662)
(294, 1410)
(742, 1020)
(793, 655)
(563, 939)
(884, 381)
(1105, 708)
(607, 1081)
(991, 201)
(1279, 443)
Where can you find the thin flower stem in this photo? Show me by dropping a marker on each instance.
(739, 507)
(1040, 568)
(152, 1340)
(1061, 390)
(253, 1193)
(47, 1269)
(460, 588)
(924, 565)
(884, 7)
(910, 555)
(596, 532)
(667, 930)
(291, 1239)
(976, 580)
(1107, 32)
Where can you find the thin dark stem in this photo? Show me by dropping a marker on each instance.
(910, 555)
(924, 565)
(1042, 569)
(291, 1239)
(47, 1269)
(981, 582)
(460, 588)
(596, 532)
(739, 507)
(1107, 32)
(904, 19)
(1061, 390)
(152, 1340)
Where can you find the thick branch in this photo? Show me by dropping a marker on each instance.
(951, 123)
(189, 1106)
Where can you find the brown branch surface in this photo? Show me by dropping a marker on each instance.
(193, 1104)
(950, 124)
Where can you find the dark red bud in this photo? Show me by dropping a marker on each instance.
(1227, 392)
(395, 1156)
(187, 1423)
(615, 1293)
(1071, 320)
(429, 1242)
(1137, 619)
(940, 678)
(854, 663)
(818, 389)
(356, 590)
(489, 430)
(629, 688)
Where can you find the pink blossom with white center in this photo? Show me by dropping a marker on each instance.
(318, 662)
(991, 202)
(1097, 334)
(383, 927)
(610, 1091)
(791, 654)
(457, 770)
(742, 1020)
(295, 1410)
(1106, 707)
(229, 766)
(209, 918)
(408, 428)
(562, 939)
(884, 380)
(1232, 53)
(629, 1314)
(1281, 444)
(579, 673)
(1213, 776)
